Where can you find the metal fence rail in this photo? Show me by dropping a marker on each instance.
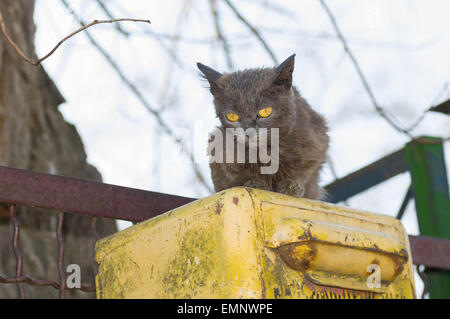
(69, 195)
(72, 195)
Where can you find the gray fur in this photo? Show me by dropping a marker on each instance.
(303, 132)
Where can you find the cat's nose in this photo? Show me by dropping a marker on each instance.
(250, 131)
(250, 124)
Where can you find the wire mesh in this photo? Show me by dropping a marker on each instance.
(20, 279)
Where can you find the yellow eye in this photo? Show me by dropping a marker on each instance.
(265, 112)
(232, 117)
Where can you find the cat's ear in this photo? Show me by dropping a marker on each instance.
(284, 73)
(211, 75)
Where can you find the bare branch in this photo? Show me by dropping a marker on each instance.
(424, 113)
(364, 81)
(253, 30)
(277, 8)
(158, 37)
(219, 33)
(108, 13)
(39, 61)
(166, 128)
(172, 48)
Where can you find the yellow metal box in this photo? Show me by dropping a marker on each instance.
(247, 243)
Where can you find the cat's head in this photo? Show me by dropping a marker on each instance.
(253, 98)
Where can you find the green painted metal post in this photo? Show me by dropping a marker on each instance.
(425, 157)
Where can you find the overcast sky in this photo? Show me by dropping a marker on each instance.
(402, 46)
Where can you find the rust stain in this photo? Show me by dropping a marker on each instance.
(235, 200)
(4, 212)
(276, 293)
(219, 207)
(326, 292)
(297, 255)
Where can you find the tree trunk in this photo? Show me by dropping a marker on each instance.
(35, 136)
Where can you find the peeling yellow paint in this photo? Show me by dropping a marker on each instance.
(247, 243)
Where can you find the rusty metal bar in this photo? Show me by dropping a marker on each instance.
(430, 251)
(15, 247)
(60, 239)
(85, 197)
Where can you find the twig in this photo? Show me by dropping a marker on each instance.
(141, 98)
(424, 113)
(108, 13)
(191, 40)
(168, 77)
(219, 33)
(364, 81)
(295, 33)
(253, 30)
(321, 35)
(278, 8)
(157, 36)
(39, 61)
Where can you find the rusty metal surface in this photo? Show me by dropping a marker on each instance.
(79, 196)
(102, 200)
(430, 251)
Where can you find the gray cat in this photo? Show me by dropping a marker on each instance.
(265, 98)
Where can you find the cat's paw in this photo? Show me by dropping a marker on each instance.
(290, 187)
(258, 184)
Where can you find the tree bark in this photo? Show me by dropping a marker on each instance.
(35, 136)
